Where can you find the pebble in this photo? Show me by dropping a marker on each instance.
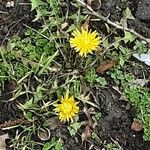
(10, 4)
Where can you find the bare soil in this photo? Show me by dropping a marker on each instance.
(13, 18)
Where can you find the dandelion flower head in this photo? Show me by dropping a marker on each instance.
(67, 109)
(85, 41)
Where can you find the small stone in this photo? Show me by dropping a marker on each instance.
(136, 126)
(10, 4)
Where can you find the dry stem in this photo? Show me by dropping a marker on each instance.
(105, 19)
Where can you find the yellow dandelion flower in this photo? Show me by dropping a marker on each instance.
(67, 109)
(85, 41)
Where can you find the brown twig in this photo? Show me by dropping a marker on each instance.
(105, 19)
(12, 123)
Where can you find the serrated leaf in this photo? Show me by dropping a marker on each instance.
(128, 14)
(121, 61)
(36, 3)
(129, 37)
(73, 128)
(38, 15)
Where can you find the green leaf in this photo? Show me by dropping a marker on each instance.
(121, 61)
(105, 43)
(71, 28)
(90, 76)
(53, 144)
(129, 37)
(117, 42)
(36, 3)
(128, 14)
(28, 115)
(101, 81)
(28, 104)
(48, 61)
(38, 15)
(73, 128)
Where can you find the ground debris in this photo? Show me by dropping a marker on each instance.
(2, 141)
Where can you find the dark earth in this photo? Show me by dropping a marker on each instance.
(12, 19)
(116, 120)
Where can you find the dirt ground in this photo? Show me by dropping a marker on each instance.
(115, 122)
(13, 18)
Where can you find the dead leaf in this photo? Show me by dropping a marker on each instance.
(136, 126)
(2, 141)
(128, 106)
(86, 110)
(86, 23)
(86, 133)
(64, 25)
(89, 2)
(53, 123)
(140, 82)
(105, 66)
